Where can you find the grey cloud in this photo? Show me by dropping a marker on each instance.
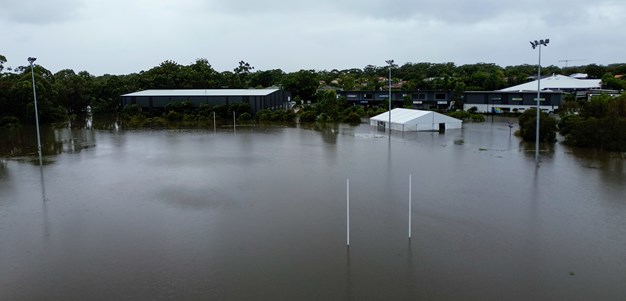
(448, 11)
(38, 12)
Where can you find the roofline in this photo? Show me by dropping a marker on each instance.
(202, 92)
(517, 91)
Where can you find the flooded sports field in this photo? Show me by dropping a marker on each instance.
(260, 214)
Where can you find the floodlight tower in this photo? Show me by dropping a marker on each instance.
(391, 65)
(31, 60)
(536, 44)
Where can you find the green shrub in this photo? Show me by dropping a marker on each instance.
(353, 118)
(323, 118)
(467, 116)
(131, 110)
(528, 126)
(189, 117)
(173, 116)
(244, 117)
(307, 116)
(9, 122)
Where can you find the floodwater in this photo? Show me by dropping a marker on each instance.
(260, 214)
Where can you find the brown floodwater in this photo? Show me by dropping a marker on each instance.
(260, 214)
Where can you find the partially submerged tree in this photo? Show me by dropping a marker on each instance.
(528, 126)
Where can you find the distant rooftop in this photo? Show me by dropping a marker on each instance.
(204, 92)
(558, 82)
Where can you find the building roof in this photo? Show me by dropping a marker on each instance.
(558, 82)
(204, 92)
(405, 116)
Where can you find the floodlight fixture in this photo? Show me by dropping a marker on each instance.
(31, 60)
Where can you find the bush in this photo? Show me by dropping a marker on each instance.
(276, 116)
(307, 116)
(174, 116)
(467, 116)
(601, 124)
(353, 118)
(9, 122)
(189, 117)
(205, 111)
(568, 123)
(131, 110)
(184, 107)
(264, 115)
(239, 108)
(324, 118)
(528, 126)
(244, 117)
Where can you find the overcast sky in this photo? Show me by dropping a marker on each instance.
(126, 36)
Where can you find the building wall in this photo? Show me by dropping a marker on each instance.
(420, 99)
(499, 101)
(272, 101)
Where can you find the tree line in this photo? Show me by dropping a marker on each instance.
(67, 93)
(598, 123)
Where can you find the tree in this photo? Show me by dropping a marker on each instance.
(3, 60)
(610, 82)
(601, 124)
(303, 83)
(329, 104)
(528, 126)
(242, 73)
(167, 75)
(266, 78)
(201, 75)
(72, 91)
(406, 102)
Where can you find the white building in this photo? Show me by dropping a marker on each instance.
(407, 120)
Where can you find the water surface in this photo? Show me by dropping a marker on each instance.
(260, 215)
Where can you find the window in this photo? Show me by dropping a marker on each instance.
(440, 96)
(418, 96)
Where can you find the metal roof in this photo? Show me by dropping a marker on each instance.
(205, 92)
(557, 82)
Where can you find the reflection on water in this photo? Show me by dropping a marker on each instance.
(22, 142)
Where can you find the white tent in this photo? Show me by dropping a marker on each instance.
(407, 120)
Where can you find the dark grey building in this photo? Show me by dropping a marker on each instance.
(258, 99)
(431, 99)
(511, 101)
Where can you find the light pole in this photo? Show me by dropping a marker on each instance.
(536, 44)
(391, 65)
(31, 60)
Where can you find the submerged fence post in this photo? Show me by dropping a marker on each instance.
(410, 195)
(348, 213)
(234, 123)
(214, 128)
